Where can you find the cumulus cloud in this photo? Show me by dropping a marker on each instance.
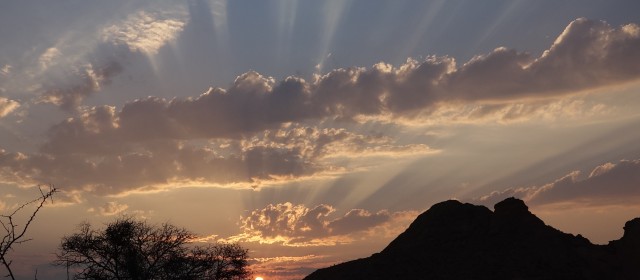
(609, 183)
(588, 54)
(259, 129)
(298, 225)
(92, 152)
(151, 168)
(105, 160)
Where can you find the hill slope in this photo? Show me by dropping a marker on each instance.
(453, 240)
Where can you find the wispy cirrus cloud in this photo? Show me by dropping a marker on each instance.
(146, 32)
(76, 68)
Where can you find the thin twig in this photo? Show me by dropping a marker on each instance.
(13, 233)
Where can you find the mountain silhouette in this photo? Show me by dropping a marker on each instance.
(454, 240)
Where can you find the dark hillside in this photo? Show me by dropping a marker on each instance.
(453, 240)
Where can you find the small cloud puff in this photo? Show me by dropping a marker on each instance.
(111, 208)
(7, 106)
(145, 32)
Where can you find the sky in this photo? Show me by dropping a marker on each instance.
(314, 132)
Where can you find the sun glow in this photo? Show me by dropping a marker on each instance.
(259, 278)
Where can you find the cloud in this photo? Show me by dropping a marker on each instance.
(104, 163)
(77, 83)
(112, 208)
(5, 70)
(7, 106)
(262, 130)
(93, 153)
(152, 168)
(609, 183)
(587, 55)
(298, 225)
(145, 32)
(49, 57)
(66, 79)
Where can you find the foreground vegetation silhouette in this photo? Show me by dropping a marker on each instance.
(16, 223)
(134, 250)
(454, 240)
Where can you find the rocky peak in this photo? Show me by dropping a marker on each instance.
(454, 240)
(630, 241)
(632, 229)
(512, 206)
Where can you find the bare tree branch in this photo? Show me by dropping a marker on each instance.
(14, 233)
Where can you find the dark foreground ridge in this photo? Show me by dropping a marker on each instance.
(453, 240)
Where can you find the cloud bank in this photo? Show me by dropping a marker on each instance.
(109, 165)
(609, 183)
(588, 54)
(298, 225)
(262, 130)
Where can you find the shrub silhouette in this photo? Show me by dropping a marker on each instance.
(134, 250)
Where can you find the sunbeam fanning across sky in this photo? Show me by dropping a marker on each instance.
(314, 132)
(332, 13)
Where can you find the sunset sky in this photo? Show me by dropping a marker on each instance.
(314, 132)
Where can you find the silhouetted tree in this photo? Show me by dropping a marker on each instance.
(135, 250)
(15, 226)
